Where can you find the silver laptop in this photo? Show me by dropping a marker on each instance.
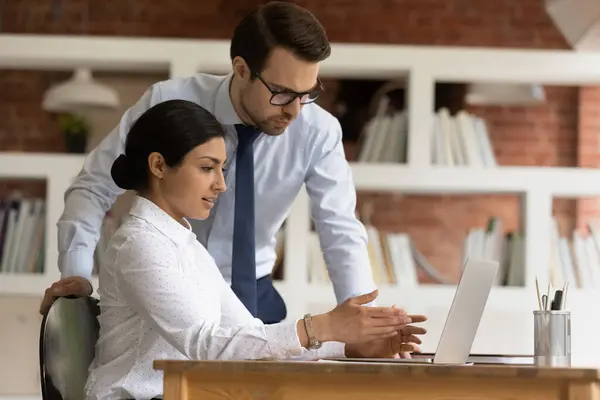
(462, 322)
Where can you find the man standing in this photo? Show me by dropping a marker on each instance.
(277, 140)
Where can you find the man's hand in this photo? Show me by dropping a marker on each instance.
(408, 341)
(401, 345)
(72, 286)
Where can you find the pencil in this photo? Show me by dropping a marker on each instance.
(537, 289)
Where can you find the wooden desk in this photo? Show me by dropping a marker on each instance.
(209, 380)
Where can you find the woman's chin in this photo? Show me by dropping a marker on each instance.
(201, 214)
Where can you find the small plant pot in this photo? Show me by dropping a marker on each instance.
(76, 143)
(75, 129)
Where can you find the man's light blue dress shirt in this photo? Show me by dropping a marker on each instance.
(309, 152)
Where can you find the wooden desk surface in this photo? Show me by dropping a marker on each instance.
(188, 380)
(320, 368)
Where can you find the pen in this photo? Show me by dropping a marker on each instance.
(537, 289)
(557, 302)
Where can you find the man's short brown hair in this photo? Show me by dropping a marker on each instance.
(279, 24)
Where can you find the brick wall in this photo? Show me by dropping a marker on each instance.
(561, 133)
(588, 148)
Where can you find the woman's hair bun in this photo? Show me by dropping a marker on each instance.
(127, 174)
(171, 128)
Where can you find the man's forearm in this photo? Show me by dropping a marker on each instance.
(330, 185)
(79, 231)
(348, 264)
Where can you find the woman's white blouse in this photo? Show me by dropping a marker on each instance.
(163, 297)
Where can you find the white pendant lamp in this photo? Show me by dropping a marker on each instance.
(498, 94)
(79, 92)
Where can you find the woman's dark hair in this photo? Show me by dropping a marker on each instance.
(172, 128)
(279, 24)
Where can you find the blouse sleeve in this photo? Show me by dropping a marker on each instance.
(152, 282)
(234, 310)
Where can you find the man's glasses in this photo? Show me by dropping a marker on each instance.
(285, 97)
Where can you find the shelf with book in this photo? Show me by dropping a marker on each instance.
(22, 227)
(495, 121)
(510, 307)
(533, 188)
(501, 123)
(56, 170)
(414, 247)
(424, 238)
(575, 243)
(508, 313)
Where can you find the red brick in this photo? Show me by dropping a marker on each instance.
(588, 150)
(27, 188)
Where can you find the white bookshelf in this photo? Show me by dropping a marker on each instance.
(508, 315)
(58, 171)
(509, 309)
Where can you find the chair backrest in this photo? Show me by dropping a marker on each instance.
(68, 338)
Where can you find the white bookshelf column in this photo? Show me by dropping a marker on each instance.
(295, 272)
(536, 207)
(421, 102)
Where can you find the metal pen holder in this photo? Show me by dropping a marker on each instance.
(552, 338)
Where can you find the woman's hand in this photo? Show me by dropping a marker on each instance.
(400, 345)
(352, 322)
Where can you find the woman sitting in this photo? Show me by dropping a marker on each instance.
(161, 293)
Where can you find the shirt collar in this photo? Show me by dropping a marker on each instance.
(224, 110)
(156, 216)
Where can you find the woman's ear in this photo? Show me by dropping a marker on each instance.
(157, 165)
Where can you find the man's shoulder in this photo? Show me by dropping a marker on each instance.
(317, 119)
(317, 128)
(200, 86)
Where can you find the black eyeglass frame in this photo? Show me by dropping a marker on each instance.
(294, 95)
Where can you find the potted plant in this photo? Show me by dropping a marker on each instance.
(76, 131)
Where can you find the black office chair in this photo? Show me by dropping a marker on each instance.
(68, 338)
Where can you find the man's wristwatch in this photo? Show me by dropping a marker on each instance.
(313, 343)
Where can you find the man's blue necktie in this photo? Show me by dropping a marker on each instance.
(243, 263)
